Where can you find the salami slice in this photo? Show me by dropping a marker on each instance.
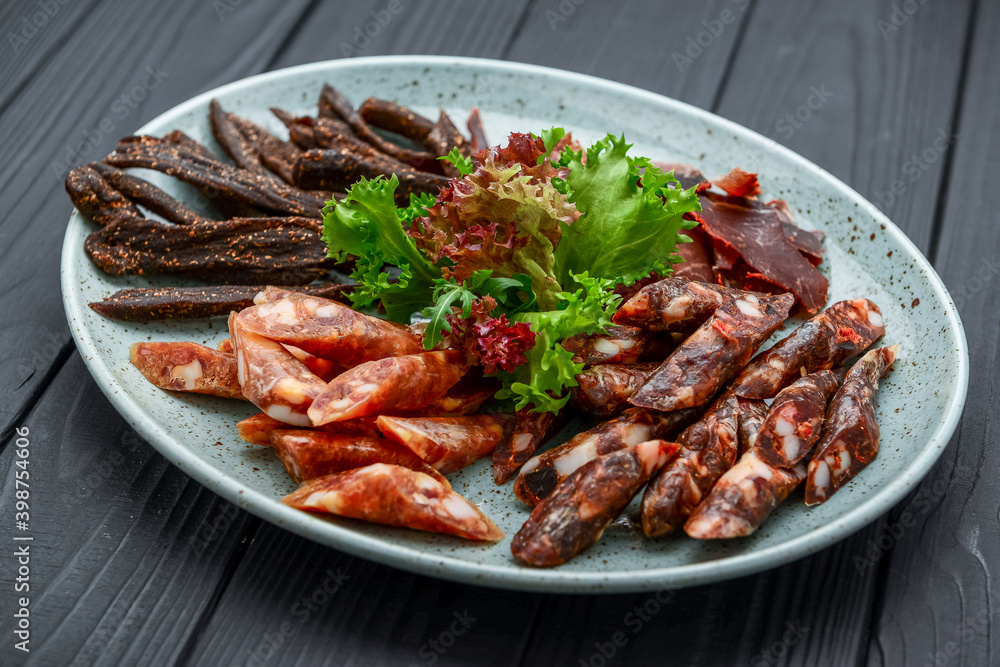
(706, 361)
(447, 443)
(575, 515)
(526, 432)
(257, 429)
(851, 436)
(674, 304)
(826, 341)
(390, 385)
(187, 367)
(795, 420)
(743, 498)
(322, 368)
(395, 496)
(708, 449)
(543, 473)
(752, 414)
(329, 330)
(310, 454)
(620, 345)
(271, 378)
(465, 398)
(604, 389)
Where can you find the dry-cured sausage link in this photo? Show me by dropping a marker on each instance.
(796, 418)
(447, 443)
(329, 330)
(708, 449)
(713, 354)
(324, 369)
(826, 341)
(752, 414)
(187, 367)
(271, 377)
(526, 432)
(851, 435)
(391, 385)
(395, 496)
(540, 475)
(464, 398)
(257, 429)
(619, 345)
(743, 498)
(674, 304)
(575, 515)
(310, 454)
(604, 389)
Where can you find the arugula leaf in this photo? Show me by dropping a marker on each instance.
(459, 161)
(632, 212)
(366, 225)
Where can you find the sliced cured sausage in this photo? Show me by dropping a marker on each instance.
(743, 498)
(795, 420)
(390, 385)
(708, 449)
(674, 304)
(395, 496)
(540, 475)
(574, 516)
(328, 329)
(713, 354)
(826, 341)
(271, 377)
(619, 345)
(447, 443)
(526, 431)
(187, 366)
(752, 414)
(851, 436)
(310, 454)
(604, 389)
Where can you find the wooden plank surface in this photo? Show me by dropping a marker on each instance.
(121, 583)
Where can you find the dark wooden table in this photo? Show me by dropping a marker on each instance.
(133, 563)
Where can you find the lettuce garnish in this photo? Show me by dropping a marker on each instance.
(521, 251)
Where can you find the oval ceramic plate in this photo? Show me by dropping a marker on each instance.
(866, 256)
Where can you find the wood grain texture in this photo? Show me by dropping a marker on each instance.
(938, 597)
(128, 551)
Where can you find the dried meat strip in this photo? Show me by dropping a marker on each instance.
(604, 389)
(272, 378)
(851, 435)
(393, 117)
(743, 498)
(807, 242)
(713, 354)
(232, 140)
(145, 304)
(147, 195)
(334, 104)
(757, 234)
(618, 345)
(96, 199)
(826, 341)
(310, 454)
(447, 443)
(526, 431)
(274, 155)
(752, 414)
(697, 256)
(445, 137)
(475, 127)
(186, 366)
(241, 251)
(708, 449)
(688, 175)
(674, 304)
(328, 329)
(543, 473)
(395, 496)
(573, 518)
(796, 418)
(265, 192)
(391, 385)
(739, 183)
(339, 168)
